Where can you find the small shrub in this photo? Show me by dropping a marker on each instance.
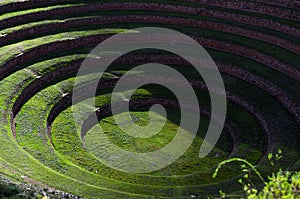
(280, 185)
(8, 190)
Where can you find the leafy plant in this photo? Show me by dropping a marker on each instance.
(283, 184)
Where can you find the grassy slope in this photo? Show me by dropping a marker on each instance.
(31, 129)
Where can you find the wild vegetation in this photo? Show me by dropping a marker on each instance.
(281, 184)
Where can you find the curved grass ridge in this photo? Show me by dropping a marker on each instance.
(43, 43)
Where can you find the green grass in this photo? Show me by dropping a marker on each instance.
(8, 15)
(62, 132)
(60, 128)
(32, 146)
(189, 163)
(67, 165)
